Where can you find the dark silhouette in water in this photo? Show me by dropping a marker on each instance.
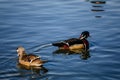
(83, 53)
(97, 6)
(98, 2)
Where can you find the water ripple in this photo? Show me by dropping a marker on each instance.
(36, 24)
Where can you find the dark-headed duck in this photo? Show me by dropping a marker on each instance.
(75, 43)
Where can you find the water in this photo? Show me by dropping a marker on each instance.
(35, 24)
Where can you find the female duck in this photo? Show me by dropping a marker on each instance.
(75, 43)
(28, 59)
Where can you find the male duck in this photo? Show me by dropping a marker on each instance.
(28, 59)
(75, 43)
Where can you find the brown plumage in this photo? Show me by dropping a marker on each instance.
(28, 59)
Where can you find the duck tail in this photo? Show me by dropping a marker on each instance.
(41, 62)
(58, 44)
(44, 61)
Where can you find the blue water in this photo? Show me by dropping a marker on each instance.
(36, 23)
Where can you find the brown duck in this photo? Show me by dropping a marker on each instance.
(28, 59)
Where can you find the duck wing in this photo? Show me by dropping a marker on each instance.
(73, 41)
(68, 42)
(29, 57)
(32, 56)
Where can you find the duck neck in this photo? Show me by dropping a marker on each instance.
(86, 44)
(21, 54)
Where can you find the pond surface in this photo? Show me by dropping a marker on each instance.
(37, 23)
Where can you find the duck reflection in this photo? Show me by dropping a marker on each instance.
(83, 53)
(98, 6)
(34, 71)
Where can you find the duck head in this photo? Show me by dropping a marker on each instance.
(20, 51)
(84, 35)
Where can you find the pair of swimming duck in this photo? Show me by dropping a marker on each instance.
(70, 44)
